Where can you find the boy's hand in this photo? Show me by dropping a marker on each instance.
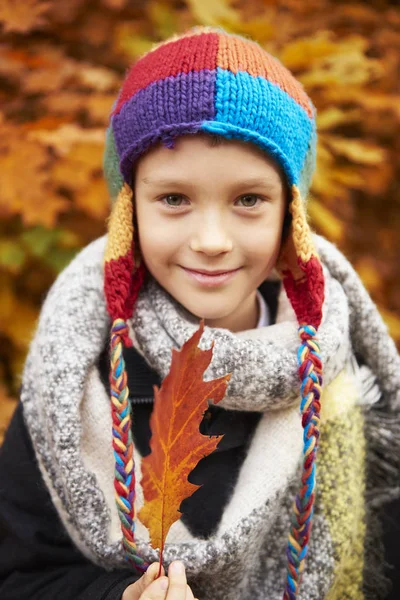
(173, 587)
(135, 590)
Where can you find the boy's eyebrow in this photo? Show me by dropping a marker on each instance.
(248, 182)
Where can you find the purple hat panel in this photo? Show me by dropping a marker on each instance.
(161, 111)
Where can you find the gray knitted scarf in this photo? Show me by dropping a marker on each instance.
(67, 411)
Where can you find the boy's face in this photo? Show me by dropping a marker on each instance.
(196, 209)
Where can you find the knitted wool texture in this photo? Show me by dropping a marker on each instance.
(207, 80)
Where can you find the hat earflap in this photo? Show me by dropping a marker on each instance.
(303, 281)
(122, 281)
(300, 267)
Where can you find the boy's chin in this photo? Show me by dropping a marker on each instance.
(209, 314)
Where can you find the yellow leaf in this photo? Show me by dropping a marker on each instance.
(378, 179)
(334, 116)
(12, 255)
(324, 154)
(348, 176)
(69, 239)
(213, 12)
(325, 221)
(324, 182)
(115, 4)
(75, 171)
(46, 122)
(164, 20)
(381, 101)
(7, 301)
(94, 199)
(324, 185)
(260, 29)
(20, 330)
(23, 17)
(302, 53)
(66, 102)
(49, 74)
(98, 108)
(69, 139)
(356, 150)
(26, 189)
(348, 66)
(130, 41)
(369, 273)
(342, 93)
(359, 13)
(97, 78)
(7, 407)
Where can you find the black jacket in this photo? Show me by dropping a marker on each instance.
(38, 560)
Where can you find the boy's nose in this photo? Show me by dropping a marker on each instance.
(211, 238)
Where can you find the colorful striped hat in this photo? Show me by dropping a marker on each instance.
(208, 80)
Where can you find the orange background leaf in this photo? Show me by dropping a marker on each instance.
(176, 443)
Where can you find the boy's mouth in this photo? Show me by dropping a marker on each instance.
(211, 278)
(206, 272)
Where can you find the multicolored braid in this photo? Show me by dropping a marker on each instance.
(209, 81)
(306, 295)
(122, 282)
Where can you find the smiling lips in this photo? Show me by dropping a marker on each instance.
(211, 278)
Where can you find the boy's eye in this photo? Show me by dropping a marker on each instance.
(252, 197)
(174, 196)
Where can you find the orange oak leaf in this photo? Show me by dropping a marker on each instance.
(176, 443)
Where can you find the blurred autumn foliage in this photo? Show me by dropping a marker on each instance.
(61, 64)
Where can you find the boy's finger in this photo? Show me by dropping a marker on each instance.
(189, 594)
(177, 581)
(156, 590)
(145, 580)
(152, 572)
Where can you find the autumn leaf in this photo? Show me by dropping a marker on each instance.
(12, 256)
(210, 12)
(333, 116)
(19, 330)
(81, 160)
(7, 407)
(131, 42)
(64, 138)
(358, 151)
(22, 16)
(326, 221)
(94, 200)
(115, 4)
(303, 53)
(176, 443)
(26, 181)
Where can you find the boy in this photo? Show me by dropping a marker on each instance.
(289, 319)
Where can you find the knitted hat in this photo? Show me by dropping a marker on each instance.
(208, 80)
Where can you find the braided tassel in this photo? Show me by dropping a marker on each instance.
(124, 481)
(304, 283)
(124, 274)
(310, 370)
